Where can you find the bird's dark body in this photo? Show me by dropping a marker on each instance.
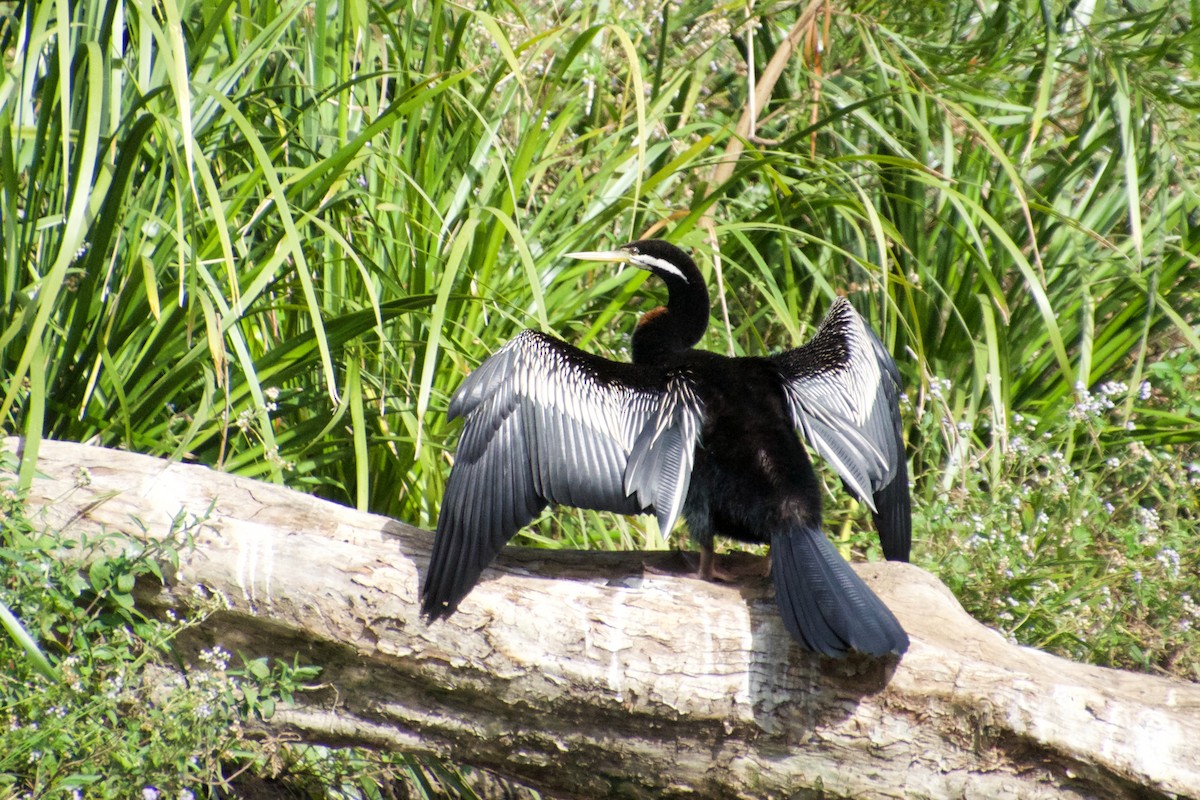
(687, 432)
(752, 474)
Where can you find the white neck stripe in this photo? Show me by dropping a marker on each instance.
(646, 262)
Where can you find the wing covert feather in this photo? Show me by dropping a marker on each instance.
(843, 388)
(546, 422)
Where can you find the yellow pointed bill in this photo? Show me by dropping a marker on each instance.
(616, 256)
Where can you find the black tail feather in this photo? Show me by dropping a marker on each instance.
(825, 605)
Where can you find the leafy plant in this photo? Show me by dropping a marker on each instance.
(102, 725)
(1095, 565)
(117, 720)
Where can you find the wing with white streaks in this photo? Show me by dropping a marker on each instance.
(546, 422)
(843, 388)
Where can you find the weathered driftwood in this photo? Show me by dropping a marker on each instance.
(586, 675)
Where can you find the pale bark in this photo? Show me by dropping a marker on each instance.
(586, 675)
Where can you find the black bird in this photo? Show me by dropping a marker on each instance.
(685, 430)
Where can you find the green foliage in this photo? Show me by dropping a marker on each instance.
(102, 727)
(1097, 565)
(117, 720)
(283, 237)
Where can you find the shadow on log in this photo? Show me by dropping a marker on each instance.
(581, 673)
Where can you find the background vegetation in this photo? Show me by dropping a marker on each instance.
(274, 237)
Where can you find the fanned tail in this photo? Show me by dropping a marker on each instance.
(824, 604)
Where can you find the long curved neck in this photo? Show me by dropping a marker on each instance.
(675, 327)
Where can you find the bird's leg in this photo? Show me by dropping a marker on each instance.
(710, 570)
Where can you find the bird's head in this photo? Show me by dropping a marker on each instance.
(667, 330)
(653, 255)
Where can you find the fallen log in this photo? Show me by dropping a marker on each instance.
(586, 674)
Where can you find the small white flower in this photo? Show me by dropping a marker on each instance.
(1169, 559)
(1148, 517)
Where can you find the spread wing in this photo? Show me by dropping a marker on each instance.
(546, 422)
(844, 389)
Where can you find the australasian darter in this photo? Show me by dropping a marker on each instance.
(687, 431)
